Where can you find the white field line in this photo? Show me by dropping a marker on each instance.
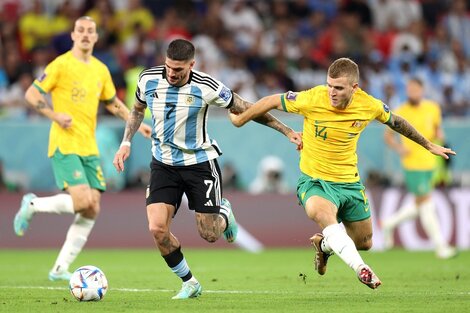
(316, 292)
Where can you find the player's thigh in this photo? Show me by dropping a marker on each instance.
(360, 232)
(203, 187)
(166, 185)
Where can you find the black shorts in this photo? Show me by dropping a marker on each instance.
(202, 184)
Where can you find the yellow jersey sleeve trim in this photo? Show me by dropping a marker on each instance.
(39, 89)
(283, 102)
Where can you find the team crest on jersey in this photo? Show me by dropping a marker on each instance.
(77, 174)
(291, 95)
(42, 77)
(357, 124)
(189, 100)
(386, 108)
(225, 93)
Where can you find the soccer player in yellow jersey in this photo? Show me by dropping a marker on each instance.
(419, 166)
(329, 188)
(77, 82)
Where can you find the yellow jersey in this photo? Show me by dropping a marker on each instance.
(426, 118)
(330, 135)
(76, 89)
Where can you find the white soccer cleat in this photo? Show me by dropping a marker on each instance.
(446, 253)
(189, 289)
(367, 277)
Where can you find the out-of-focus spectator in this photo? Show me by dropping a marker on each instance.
(12, 103)
(134, 14)
(238, 78)
(230, 178)
(457, 24)
(244, 22)
(34, 27)
(270, 177)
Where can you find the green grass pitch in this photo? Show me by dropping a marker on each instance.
(276, 280)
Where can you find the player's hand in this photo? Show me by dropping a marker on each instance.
(296, 139)
(235, 119)
(145, 130)
(64, 120)
(441, 151)
(121, 156)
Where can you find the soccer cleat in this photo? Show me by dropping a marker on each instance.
(446, 253)
(367, 277)
(57, 276)
(189, 289)
(24, 215)
(321, 258)
(230, 233)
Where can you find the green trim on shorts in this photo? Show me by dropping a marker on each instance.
(419, 183)
(349, 198)
(73, 170)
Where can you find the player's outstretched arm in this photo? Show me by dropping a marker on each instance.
(243, 111)
(401, 126)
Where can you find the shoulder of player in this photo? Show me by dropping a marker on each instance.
(204, 79)
(151, 72)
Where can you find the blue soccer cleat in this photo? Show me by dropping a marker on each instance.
(230, 234)
(57, 276)
(189, 289)
(24, 215)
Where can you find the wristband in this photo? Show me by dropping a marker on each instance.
(125, 143)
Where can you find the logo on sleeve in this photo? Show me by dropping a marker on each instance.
(386, 108)
(42, 77)
(291, 95)
(225, 94)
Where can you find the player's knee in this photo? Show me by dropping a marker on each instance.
(364, 244)
(158, 231)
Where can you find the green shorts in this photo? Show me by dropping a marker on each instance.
(72, 170)
(349, 198)
(419, 183)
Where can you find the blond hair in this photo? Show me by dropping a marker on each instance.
(344, 67)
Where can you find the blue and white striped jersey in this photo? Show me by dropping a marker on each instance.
(179, 115)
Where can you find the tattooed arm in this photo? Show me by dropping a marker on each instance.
(119, 109)
(242, 111)
(134, 123)
(401, 126)
(36, 99)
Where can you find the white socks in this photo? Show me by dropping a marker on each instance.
(77, 236)
(430, 223)
(60, 203)
(337, 240)
(403, 214)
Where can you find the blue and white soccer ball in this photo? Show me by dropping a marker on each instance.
(88, 283)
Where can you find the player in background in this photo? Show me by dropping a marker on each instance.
(183, 154)
(329, 187)
(77, 82)
(419, 167)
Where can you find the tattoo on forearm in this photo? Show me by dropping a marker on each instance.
(133, 124)
(401, 126)
(240, 105)
(41, 105)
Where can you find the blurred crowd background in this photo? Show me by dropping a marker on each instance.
(256, 48)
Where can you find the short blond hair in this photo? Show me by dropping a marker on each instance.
(344, 67)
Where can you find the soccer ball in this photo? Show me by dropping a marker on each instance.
(88, 283)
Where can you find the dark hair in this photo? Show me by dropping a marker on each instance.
(344, 67)
(180, 50)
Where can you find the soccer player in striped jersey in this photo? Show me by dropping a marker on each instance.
(330, 189)
(77, 82)
(419, 167)
(183, 153)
